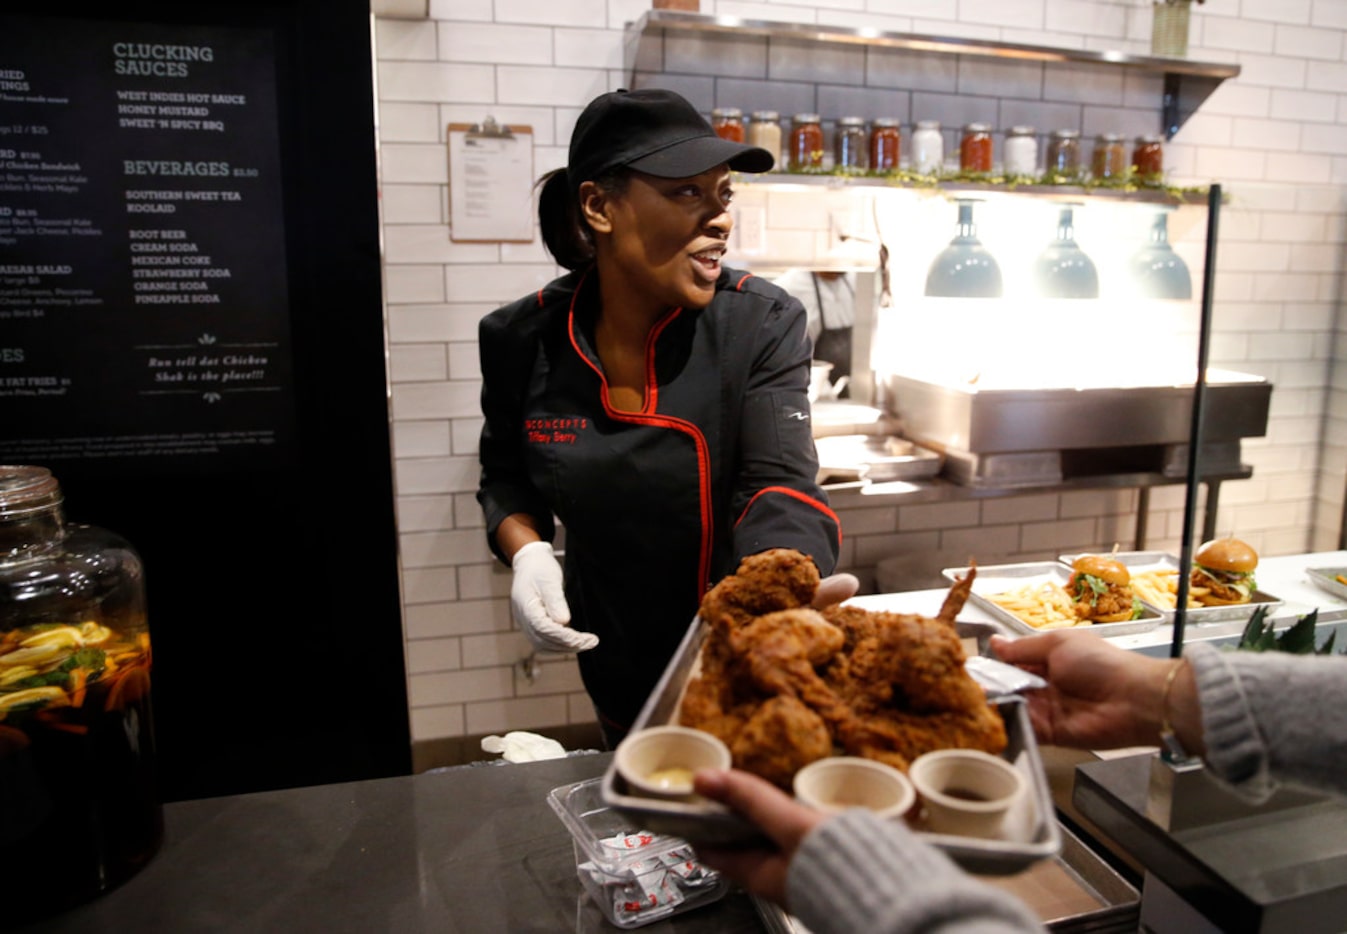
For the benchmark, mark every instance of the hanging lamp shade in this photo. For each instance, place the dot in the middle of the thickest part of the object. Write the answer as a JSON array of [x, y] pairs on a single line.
[[964, 269]]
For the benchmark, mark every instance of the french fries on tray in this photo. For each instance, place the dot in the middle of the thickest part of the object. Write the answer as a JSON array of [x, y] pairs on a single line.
[[1160, 588], [1043, 605]]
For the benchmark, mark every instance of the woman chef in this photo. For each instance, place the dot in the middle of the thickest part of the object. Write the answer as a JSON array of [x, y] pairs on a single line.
[[652, 400]]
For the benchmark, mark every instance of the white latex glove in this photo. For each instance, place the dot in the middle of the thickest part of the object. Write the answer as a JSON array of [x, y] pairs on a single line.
[[838, 588], [539, 602]]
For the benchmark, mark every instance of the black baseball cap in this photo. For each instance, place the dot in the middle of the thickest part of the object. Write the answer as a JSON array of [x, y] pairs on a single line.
[[655, 131]]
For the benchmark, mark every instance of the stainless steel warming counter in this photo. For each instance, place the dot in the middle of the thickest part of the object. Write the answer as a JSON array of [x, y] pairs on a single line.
[[1032, 436]]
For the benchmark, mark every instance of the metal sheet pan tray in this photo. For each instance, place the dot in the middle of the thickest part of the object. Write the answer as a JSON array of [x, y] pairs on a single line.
[[877, 458], [1136, 561], [999, 578], [1032, 830], [1326, 579]]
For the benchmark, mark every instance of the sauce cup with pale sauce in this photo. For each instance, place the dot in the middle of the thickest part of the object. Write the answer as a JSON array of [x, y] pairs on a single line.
[[659, 761]]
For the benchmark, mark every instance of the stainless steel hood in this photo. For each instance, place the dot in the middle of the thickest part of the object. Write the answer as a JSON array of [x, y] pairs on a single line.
[[1039, 436]]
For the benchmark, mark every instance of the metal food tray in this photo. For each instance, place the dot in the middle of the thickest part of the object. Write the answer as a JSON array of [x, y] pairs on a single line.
[[997, 578], [1326, 579], [1034, 830], [1075, 891], [1157, 560], [876, 458]]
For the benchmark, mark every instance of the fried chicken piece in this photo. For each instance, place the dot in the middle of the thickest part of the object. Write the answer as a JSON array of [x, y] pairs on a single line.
[[957, 596], [777, 579], [783, 684], [897, 737], [780, 738], [778, 653], [904, 678]]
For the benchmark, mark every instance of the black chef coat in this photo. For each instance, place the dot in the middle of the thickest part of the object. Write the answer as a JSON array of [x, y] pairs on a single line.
[[659, 504]]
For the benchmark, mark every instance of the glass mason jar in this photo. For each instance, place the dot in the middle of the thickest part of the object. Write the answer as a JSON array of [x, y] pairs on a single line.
[[764, 129], [928, 148], [851, 143], [728, 122], [975, 148], [1108, 160], [1148, 157], [1063, 159], [1021, 151], [806, 142], [886, 144], [81, 811]]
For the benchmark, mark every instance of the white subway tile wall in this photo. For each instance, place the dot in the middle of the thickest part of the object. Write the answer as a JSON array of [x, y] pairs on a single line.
[[1275, 138]]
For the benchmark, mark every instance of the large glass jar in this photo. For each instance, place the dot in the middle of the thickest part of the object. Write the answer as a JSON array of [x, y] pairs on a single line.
[[79, 805], [806, 142]]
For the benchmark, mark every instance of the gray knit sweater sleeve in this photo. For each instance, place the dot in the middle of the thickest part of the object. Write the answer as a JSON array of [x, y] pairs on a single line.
[[1270, 717], [857, 872]]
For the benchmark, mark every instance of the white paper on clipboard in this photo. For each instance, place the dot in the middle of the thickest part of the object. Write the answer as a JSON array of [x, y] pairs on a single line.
[[490, 182]]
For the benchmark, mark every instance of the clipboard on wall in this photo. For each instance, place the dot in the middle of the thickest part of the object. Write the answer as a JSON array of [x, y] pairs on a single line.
[[490, 182]]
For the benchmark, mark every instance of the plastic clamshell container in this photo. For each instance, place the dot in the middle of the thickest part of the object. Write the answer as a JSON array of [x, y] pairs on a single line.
[[1136, 561], [1031, 834], [998, 578], [630, 886]]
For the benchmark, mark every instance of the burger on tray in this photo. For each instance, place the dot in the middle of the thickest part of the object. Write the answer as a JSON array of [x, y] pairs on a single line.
[[1224, 568], [1101, 589]]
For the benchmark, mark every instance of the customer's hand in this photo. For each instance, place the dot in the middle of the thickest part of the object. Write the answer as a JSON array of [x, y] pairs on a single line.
[[538, 601], [835, 589], [1098, 696], [784, 821]]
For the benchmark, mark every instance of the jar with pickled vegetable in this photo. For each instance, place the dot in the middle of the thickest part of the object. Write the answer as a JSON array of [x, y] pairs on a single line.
[[1148, 158], [886, 143], [1109, 160], [81, 811], [928, 148], [806, 142], [852, 143], [728, 122], [764, 129], [975, 148], [1063, 159], [1021, 151]]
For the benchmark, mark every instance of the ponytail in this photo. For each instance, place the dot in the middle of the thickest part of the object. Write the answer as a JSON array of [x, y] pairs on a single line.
[[565, 233]]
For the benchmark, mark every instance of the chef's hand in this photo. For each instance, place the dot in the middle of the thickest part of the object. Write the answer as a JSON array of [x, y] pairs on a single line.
[[835, 589], [783, 820], [538, 601]]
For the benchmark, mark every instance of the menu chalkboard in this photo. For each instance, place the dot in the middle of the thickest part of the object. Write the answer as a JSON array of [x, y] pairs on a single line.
[[143, 297]]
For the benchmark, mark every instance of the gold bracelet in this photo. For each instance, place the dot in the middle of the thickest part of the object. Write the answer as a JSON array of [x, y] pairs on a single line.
[[1168, 738]]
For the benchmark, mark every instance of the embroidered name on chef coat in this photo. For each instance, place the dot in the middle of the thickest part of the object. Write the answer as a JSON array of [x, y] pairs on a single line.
[[554, 430]]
